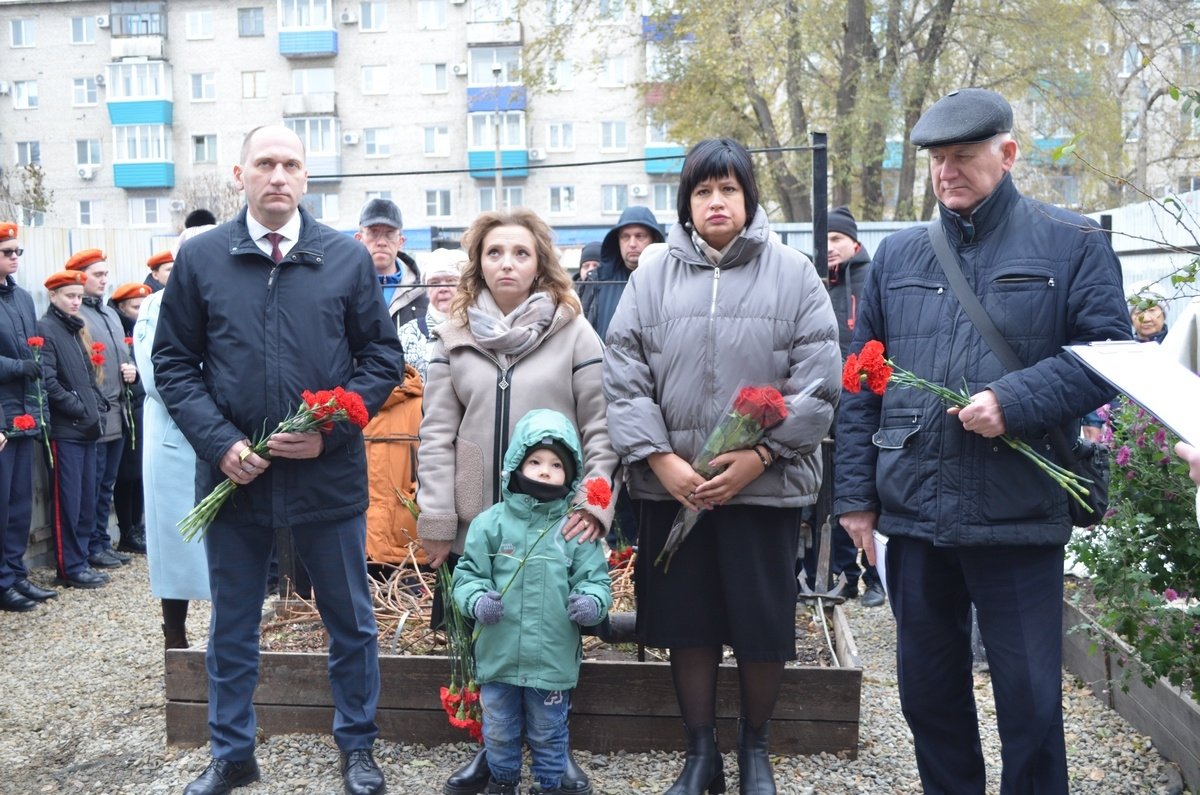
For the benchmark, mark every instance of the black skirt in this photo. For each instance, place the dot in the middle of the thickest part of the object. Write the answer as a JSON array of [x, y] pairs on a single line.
[[732, 582]]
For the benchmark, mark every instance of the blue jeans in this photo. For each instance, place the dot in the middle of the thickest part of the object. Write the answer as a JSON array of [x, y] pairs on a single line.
[[509, 710]]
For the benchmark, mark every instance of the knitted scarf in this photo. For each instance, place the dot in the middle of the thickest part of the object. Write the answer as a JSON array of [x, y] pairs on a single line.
[[513, 334]]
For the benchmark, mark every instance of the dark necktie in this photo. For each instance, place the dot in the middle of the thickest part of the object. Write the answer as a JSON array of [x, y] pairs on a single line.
[[274, 238]]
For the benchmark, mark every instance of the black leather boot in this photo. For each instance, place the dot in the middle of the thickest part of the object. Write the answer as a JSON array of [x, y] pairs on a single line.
[[754, 763], [174, 637], [703, 769], [471, 778], [574, 781]]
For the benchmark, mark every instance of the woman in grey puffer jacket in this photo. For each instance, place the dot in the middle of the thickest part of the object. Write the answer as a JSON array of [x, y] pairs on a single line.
[[727, 304]]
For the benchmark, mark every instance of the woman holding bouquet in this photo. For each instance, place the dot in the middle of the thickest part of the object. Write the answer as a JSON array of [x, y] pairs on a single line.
[[726, 304], [515, 340]]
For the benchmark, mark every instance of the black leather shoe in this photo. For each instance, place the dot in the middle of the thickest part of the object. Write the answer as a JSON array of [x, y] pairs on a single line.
[[134, 541], [574, 781], [873, 596], [34, 592], [88, 578], [104, 559], [222, 776], [471, 778], [360, 774], [14, 601], [121, 557]]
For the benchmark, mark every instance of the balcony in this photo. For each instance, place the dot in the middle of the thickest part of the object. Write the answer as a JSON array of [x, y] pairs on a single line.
[[324, 168], [144, 175], [671, 166], [502, 98], [482, 163], [308, 43], [151, 47], [316, 104], [145, 111], [491, 33]]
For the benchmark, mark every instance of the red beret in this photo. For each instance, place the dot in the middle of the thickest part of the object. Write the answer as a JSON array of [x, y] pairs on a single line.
[[131, 290], [161, 258], [81, 259], [65, 279], [8, 230]]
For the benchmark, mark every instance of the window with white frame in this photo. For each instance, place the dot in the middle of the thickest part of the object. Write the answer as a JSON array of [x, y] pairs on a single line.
[[558, 12], [377, 141], [491, 10], [560, 75], [148, 212], [29, 153], [199, 25], [313, 81], [1131, 60], [560, 136], [437, 140], [1133, 124], [204, 87], [319, 135], [88, 212], [657, 132], [611, 11], [22, 32], [83, 30], [204, 148], [613, 136], [254, 85], [25, 94], [83, 91], [433, 78], [322, 206], [656, 62], [482, 59], [562, 199], [514, 196], [375, 79], [663, 200], [31, 217], [437, 203], [305, 13], [612, 71], [372, 16], [87, 152], [431, 14], [141, 142], [250, 22], [139, 80], [482, 130], [614, 199], [379, 194]]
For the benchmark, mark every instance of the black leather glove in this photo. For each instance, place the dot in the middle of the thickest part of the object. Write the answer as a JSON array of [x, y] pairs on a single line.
[[489, 609], [30, 368]]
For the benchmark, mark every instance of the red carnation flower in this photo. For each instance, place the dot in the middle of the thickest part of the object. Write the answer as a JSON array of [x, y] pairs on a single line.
[[129, 340], [851, 375], [598, 492], [97, 347], [36, 342], [24, 422], [98, 359], [352, 404]]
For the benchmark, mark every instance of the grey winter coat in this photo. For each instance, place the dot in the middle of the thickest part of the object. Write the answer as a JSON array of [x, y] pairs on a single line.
[[687, 335]]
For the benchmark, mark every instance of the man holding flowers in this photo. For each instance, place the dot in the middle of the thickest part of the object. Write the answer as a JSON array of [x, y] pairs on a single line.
[[262, 309], [969, 518]]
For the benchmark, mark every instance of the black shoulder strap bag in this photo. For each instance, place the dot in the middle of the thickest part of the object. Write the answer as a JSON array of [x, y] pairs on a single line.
[[1085, 458]]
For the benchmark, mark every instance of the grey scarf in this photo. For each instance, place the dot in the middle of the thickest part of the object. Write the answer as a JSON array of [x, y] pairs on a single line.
[[513, 334]]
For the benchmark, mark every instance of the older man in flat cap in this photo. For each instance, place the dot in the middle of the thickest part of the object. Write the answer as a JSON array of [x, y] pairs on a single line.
[[968, 519]]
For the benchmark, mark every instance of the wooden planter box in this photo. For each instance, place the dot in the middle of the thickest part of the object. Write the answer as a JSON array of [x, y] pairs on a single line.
[[617, 706], [1163, 712]]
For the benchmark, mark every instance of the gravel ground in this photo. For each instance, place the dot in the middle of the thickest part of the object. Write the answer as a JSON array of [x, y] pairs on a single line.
[[82, 712]]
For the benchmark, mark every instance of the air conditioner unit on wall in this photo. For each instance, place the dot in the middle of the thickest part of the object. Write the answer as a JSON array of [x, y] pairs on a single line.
[[350, 138], [459, 69], [102, 21], [458, 2], [100, 79], [348, 17], [86, 172], [1100, 48], [177, 205], [639, 190], [537, 154]]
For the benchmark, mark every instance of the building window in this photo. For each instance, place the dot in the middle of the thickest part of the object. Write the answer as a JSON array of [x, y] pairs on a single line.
[[137, 81], [147, 212], [562, 199], [433, 78], [313, 81], [29, 153], [254, 85], [137, 142], [83, 30], [1188, 184], [319, 135], [657, 132], [372, 16], [22, 32], [560, 136], [204, 87], [83, 91], [88, 214], [657, 65], [25, 96], [31, 217], [250, 22], [513, 197], [560, 75], [375, 79], [612, 136], [377, 141], [431, 14], [87, 152], [204, 148], [130, 19], [305, 13], [483, 127], [612, 71], [558, 12], [491, 10], [482, 59], [199, 25], [379, 194], [611, 11], [1131, 60], [614, 198], [437, 203], [437, 140], [1133, 124], [322, 206], [664, 196]]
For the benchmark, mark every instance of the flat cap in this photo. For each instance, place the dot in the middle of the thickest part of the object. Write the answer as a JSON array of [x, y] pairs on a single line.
[[131, 290], [8, 230], [80, 260], [161, 258], [380, 212], [65, 279], [966, 116]]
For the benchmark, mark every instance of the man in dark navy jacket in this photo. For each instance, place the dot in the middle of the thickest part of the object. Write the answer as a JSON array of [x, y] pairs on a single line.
[[260, 309], [969, 519]]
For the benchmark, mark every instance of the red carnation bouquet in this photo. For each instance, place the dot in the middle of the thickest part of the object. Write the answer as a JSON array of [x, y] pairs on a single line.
[[751, 413], [870, 367], [318, 411], [39, 395]]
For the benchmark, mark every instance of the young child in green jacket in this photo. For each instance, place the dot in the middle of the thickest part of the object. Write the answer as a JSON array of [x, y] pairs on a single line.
[[531, 590]]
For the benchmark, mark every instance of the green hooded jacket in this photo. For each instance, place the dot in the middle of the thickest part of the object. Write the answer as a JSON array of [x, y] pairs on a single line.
[[534, 644]]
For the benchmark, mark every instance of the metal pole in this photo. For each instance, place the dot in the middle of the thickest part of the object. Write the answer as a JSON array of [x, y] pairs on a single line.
[[499, 186], [820, 199]]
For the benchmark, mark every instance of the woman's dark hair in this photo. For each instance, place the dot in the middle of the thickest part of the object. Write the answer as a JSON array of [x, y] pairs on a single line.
[[716, 158]]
